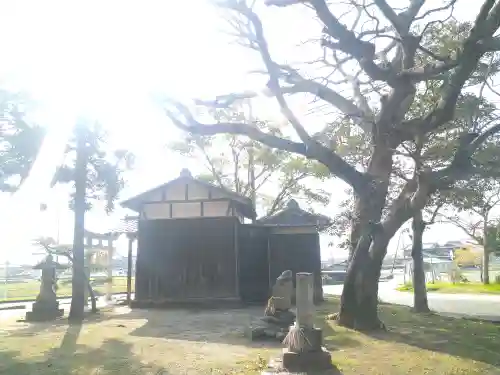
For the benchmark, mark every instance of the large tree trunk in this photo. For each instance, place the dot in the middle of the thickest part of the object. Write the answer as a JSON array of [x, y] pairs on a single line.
[[485, 272], [419, 290], [486, 266], [92, 295], [369, 240], [359, 301], [76, 312]]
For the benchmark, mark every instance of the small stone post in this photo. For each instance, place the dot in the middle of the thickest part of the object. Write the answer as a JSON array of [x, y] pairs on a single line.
[[304, 350], [305, 300]]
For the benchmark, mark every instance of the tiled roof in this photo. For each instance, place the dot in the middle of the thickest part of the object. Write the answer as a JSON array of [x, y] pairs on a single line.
[[293, 215], [127, 225]]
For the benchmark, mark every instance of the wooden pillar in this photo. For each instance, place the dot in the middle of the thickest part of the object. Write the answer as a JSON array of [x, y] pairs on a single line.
[[130, 237], [269, 260], [109, 285], [237, 259]]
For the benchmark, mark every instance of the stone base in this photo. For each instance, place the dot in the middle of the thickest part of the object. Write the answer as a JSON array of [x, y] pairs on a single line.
[[307, 361], [44, 311], [314, 339], [294, 363], [273, 327], [43, 315], [281, 318], [258, 333]]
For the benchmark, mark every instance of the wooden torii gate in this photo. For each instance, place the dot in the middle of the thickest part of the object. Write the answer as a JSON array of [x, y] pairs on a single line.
[[128, 226], [103, 245]]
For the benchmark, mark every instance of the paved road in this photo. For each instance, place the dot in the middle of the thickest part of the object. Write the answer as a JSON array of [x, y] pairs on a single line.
[[473, 305]]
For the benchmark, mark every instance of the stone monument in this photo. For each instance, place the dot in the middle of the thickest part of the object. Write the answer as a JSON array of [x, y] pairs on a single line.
[[277, 316], [46, 306], [304, 351]]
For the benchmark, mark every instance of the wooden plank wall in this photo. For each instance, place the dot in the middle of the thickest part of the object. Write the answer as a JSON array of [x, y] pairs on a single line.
[[298, 252], [187, 259], [253, 263]]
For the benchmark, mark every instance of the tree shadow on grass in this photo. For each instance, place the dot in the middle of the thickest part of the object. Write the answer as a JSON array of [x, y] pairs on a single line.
[[68, 344], [479, 341], [24, 329], [113, 357], [334, 340]]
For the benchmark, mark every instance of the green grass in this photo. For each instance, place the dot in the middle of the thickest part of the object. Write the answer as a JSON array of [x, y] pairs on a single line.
[[442, 287], [25, 291], [177, 342], [414, 344]]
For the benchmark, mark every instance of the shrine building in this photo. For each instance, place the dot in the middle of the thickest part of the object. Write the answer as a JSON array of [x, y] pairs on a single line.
[[194, 244]]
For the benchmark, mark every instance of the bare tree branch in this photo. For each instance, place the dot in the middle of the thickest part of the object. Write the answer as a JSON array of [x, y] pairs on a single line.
[[334, 162], [434, 214], [272, 68], [469, 229], [391, 15], [435, 10]]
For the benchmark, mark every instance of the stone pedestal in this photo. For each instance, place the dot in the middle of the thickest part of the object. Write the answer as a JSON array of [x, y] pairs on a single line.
[[319, 360], [271, 327], [44, 311], [304, 350], [46, 306], [289, 363], [277, 316]]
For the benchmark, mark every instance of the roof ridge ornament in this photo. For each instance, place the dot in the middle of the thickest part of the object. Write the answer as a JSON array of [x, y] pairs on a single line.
[[292, 204], [185, 173]]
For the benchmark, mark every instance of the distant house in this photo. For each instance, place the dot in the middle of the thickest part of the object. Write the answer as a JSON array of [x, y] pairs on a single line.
[[445, 251]]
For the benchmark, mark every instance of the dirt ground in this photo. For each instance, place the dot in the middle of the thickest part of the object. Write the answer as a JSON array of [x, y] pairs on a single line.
[[137, 342], [204, 342]]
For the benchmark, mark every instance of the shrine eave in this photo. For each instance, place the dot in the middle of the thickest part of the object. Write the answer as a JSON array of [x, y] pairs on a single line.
[[293, 216]]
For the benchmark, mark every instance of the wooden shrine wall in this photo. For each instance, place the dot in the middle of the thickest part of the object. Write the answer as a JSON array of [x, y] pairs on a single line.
[[298, 252], [253, 263], [186, 259]]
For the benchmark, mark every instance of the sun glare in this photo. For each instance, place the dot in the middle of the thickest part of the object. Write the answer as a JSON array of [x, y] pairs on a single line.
[[105, 60]]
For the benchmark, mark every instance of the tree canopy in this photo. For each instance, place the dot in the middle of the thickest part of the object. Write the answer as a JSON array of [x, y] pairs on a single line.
[[376, 66], [20, 141], [105, 167]]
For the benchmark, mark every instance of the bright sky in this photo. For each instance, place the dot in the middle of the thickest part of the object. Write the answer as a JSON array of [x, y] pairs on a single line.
[[108, 60]]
